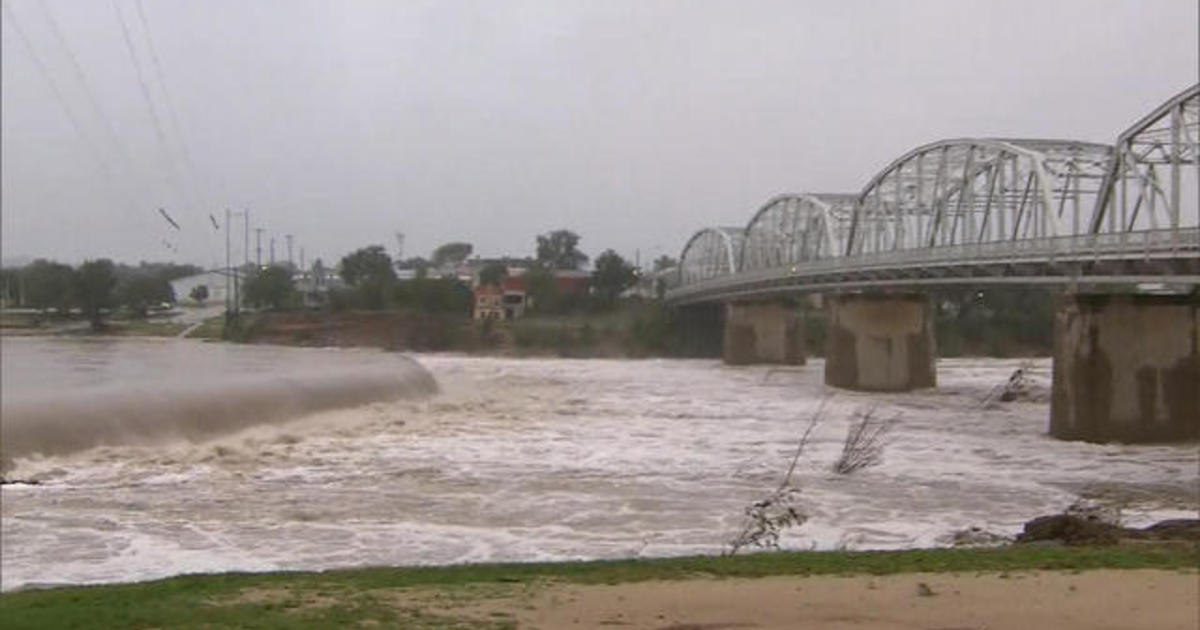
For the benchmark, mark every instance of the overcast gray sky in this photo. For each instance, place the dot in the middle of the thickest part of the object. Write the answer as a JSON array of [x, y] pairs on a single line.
[[632, 123]]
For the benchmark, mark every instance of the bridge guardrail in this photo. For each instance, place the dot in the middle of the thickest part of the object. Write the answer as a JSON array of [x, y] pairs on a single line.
[[1145, 244]]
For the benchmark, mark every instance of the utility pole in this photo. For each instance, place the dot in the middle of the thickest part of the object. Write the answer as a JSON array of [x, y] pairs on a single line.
[[272, 251], [302, 259], [246, 233], [289, 240], [228, 269], [258, 247]]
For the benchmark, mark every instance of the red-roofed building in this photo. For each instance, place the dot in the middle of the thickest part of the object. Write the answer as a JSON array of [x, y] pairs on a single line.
[[506, 301], [511, 298]]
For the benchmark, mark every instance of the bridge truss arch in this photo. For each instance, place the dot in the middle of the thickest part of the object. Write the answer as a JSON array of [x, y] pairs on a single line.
[[979, 210], [710, 253], [979, 190], [793, 229], [1154, 178]]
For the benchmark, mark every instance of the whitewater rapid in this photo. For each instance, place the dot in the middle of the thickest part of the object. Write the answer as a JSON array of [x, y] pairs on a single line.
[[552, 459]]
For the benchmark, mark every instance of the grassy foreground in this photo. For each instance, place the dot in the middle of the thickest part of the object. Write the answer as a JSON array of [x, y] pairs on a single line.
[[366, 597]]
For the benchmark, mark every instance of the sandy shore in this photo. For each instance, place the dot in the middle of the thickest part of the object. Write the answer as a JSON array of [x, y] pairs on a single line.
[[1124, 599]]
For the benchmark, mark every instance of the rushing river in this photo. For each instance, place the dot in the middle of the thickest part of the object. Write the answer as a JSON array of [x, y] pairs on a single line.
[[529, 459]]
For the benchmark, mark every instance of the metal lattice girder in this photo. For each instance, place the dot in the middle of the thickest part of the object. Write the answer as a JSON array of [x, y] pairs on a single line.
[[1154, 179], [978, 211], [710, 253], [978, 190], [796, 228]]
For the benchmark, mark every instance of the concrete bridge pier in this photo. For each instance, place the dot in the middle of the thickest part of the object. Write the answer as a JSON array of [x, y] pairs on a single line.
[[763, 332], [1126, 368], [880, 342], [697, 329]]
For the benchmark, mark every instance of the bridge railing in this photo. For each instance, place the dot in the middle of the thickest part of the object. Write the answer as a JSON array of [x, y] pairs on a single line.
[[1145, 244]]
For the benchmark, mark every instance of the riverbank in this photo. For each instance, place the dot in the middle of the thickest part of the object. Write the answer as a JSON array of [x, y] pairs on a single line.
[[1123, 586], [633, 330], [640, 330], [33, 324]]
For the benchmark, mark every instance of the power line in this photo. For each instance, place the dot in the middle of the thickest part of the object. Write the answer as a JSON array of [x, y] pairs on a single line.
[[167, 100], [90, 94], [190, 179], [105, 168], [157, 123], [83, 81], [166, 216], [97, 146]]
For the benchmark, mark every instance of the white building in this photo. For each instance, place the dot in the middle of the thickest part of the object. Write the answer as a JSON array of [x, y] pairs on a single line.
[[214, 280]]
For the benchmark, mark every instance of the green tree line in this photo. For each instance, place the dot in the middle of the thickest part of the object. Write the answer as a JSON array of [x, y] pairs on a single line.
[[372, 282], [93, 289]]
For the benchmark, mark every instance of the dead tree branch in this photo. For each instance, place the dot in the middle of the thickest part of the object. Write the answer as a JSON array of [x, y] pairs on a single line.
[[865, 439], [766, 519]]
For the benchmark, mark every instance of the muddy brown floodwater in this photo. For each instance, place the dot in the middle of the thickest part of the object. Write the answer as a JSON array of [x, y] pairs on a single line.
[[530, 459]]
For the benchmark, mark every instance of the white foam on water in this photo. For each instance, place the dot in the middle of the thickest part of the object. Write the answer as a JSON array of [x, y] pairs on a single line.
[[524, 460]]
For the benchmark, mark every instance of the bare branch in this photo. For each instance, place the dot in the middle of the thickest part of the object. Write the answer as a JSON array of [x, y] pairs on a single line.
[[864, 442], [766, 519]]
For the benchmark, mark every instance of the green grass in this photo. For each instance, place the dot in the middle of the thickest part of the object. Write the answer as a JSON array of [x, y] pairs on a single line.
[[359, 598]]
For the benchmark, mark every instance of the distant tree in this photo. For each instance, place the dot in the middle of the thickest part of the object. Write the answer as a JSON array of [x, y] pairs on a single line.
[[270, 288], [141, 290], [370, 271], [612, 276], [416, 262], [493, 274], [49, 285], [543, 290], [451, 254], [559, 250], [94, 284], [367, 265], [199, 293], [10, 284], [664, 262]]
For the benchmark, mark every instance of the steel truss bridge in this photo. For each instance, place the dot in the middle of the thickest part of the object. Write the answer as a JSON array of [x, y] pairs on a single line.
[[977, 211]]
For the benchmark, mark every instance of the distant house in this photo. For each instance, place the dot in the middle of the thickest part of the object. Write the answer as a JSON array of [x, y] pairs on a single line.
[[507, 301], [472, 268], [511, 299], [573, 282], [213, 280], [489, 302]]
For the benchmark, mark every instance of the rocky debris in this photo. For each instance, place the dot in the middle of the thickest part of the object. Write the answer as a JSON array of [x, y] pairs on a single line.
[[1090, 510], [977, 537], [1075, 530], [1174, 529], [1071, 530], [1020, 386]]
